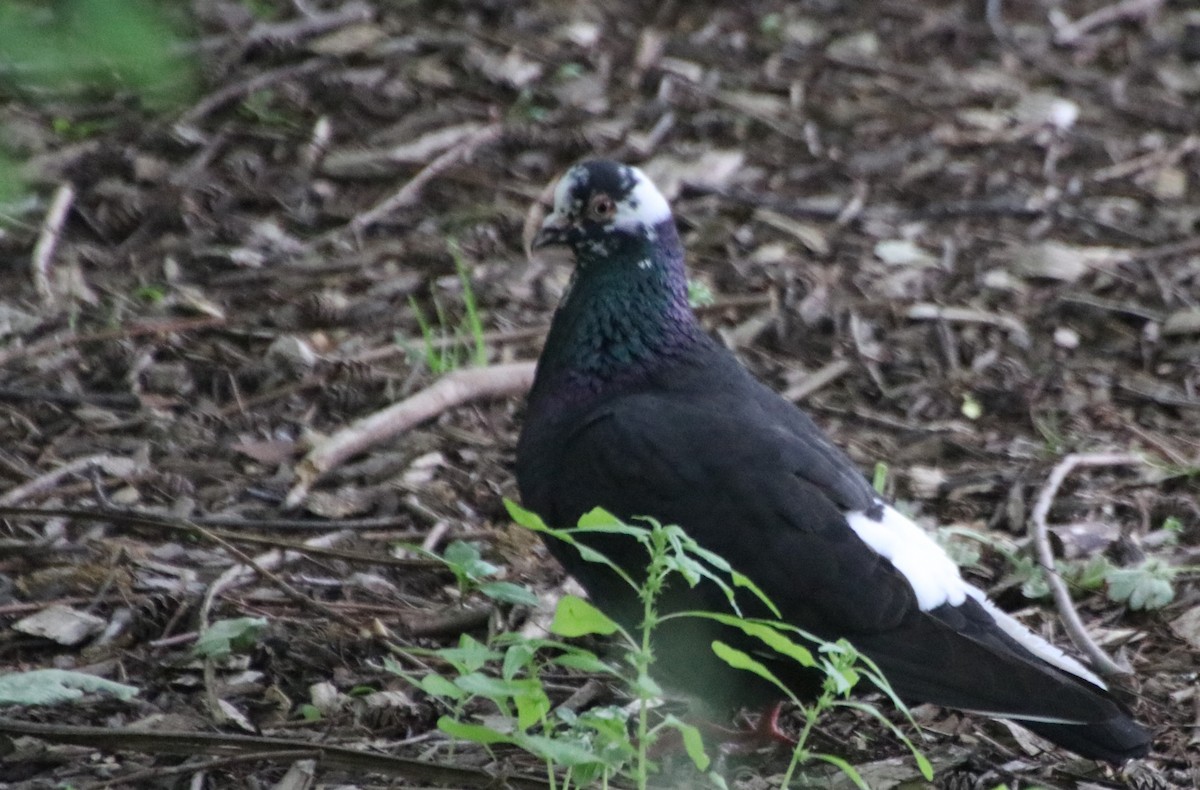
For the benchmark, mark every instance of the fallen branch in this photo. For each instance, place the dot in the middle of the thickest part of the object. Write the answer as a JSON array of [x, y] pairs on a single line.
[[1041, 538], [61, 340], [190, 528], [238, 90], [217, 744], [818, 379], [1071, 34], [49, 480], [408, 194], [264, 565], [453, 389], [43, 252]]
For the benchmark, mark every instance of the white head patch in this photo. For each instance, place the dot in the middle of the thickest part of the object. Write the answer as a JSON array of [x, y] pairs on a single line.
[[644, 206], [639, 205]]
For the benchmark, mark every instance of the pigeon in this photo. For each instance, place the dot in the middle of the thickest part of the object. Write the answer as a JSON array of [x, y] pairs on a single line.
[[637, 410]]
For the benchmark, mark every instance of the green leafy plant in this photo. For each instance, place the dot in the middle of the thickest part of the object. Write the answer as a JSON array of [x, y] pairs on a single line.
[[53, 686], [597, 745], [66, 47], [449, 346], [699, 294], [473, 573], [879, 479], [225, 637], [1147, 585]]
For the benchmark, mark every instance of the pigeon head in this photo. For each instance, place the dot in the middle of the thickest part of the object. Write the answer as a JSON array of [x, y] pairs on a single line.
[[606, 210], [626, 309]]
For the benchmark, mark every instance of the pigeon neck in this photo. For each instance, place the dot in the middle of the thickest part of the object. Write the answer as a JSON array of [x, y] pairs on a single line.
[[626, 309]]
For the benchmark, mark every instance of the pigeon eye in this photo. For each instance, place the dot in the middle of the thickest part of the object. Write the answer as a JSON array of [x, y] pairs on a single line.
[[601, 208]]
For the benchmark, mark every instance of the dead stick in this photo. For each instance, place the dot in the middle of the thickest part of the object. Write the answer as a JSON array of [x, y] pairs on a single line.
[[190, 528], [246, 87], [1071, 34], [191, 743], [72, 338], [411, 191], [43, 252], [1041, 538], [453, 389], [49, 480]]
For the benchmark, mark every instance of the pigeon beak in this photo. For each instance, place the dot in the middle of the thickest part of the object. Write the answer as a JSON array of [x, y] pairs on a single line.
[[553, 231]]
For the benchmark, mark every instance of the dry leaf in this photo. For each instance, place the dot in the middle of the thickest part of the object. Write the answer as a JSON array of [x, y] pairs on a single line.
[[1056, 260], [809, 235], [267, 451], [712, 169], [1187, 626], [1182, 322], [902, 252], [348, 40], [61, 624]]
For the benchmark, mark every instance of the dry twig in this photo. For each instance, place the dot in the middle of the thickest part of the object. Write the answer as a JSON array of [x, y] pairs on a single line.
[[47, 241], [1041, 538], [453, 389], [1071, 34], [237, 90], [217, 744], [50, 479], [411, 191]]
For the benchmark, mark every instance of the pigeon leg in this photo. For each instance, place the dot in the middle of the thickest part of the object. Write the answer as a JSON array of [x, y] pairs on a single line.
[[733, 742], [765, 732]]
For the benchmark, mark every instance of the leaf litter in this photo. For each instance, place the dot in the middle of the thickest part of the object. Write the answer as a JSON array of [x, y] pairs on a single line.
[[230, 283]]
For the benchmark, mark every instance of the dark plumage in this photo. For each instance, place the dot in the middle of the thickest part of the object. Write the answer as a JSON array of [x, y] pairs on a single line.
[[637, 410]]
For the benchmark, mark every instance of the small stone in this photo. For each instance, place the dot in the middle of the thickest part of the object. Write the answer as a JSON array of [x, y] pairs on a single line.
[[1065, 337], [292, 351], [128, 495]]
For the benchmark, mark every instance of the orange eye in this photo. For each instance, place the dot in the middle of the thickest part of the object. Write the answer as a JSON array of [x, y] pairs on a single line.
[[601, 208]]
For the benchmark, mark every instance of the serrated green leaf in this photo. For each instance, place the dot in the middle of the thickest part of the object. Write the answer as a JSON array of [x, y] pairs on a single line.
[[51, 686], [1146, 586], [517, 657], [224, 637], [598, 517], [435, 685], [532, 706], [523, 517], [496, 689], [584, 662], [576, 617], [740, 580], [559, 752], [466, 558], [1092, 574], [766, 632], [693, 742], [849, 770], [742, 660], [475, 733], [469, 656], [507, 592], [646, 687]]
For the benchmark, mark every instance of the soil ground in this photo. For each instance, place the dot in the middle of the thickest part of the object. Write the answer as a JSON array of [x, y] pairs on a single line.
[[964, 236]]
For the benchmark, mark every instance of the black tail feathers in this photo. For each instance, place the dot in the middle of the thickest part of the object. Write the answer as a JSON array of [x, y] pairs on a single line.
[[1115, 740]]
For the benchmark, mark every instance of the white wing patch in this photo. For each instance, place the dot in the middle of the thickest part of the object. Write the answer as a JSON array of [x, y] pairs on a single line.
[[1032, 642], [935, 579], [930, 572]]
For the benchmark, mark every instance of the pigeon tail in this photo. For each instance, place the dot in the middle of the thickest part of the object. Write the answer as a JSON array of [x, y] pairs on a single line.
[[1115, 740]]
